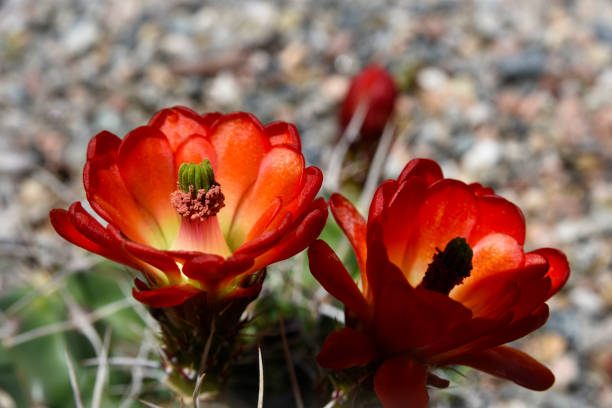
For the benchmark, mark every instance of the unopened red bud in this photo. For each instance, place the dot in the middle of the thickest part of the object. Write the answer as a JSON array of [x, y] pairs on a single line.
[[374, 88]]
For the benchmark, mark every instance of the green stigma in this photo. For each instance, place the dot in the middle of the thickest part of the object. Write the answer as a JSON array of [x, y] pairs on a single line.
[[449, 267], [200, 176]]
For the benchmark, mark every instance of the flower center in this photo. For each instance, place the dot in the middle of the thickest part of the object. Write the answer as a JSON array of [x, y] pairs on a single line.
[[449, 267], [198, 195], [198, 199]]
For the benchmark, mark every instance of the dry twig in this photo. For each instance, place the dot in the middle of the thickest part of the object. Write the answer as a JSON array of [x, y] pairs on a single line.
[[294, 385], [73, 382]]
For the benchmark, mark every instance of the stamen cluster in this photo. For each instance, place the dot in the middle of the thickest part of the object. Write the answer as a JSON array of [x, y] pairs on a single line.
[[200, 205]]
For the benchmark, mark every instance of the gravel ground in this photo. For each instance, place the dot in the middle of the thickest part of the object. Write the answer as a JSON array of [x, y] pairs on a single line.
[[515, 94]]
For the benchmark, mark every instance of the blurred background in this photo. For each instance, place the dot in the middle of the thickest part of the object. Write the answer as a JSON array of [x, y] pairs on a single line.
[[514, 94]]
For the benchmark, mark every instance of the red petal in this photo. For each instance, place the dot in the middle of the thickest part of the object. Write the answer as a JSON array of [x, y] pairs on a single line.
[[511, 364], [403, 321], [283, 133], [102, 144], [480, 190], [346, 348], [109, 197], [496, 214], [379, 271], [452, 312], [427, 169], [448, 211], [167, 296], [207, 268], [266, 240], [178, 123], [533, 285], [279, 176], [353, 225], [459, 335], [312, 180], [60, 219], [331, 274], [211, 118], [399, 220], [299, 238], [195, 149], [558, 271], [147, 168], [161, 260], [503, 334], [240, 144], [401, 382], [381, 199], [236, 264]]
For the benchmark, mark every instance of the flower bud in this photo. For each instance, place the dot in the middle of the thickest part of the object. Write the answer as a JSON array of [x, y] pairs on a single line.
[[375, 88]]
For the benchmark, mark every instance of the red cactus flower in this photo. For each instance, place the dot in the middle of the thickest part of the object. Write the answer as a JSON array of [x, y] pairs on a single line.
[[244, 200], [375, 88], [445, 281]]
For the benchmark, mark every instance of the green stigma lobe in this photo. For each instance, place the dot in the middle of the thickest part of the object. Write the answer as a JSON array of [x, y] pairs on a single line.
[[200, 176], [449, 267]]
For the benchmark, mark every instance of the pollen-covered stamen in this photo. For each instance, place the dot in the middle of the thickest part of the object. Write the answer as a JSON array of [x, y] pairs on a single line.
[[198, 195], [449, 267]]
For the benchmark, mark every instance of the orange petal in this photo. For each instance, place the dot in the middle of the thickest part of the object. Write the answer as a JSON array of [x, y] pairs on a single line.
[[178, 123], [448, 211], [401, 382], [353, 225], [511, 364], [279, 176], [195, 149], [266, 219], [109, 197], [494, 254], [240, 144], [147, 167], [498, 215], [346, 348], [490, 297], [333, 276]]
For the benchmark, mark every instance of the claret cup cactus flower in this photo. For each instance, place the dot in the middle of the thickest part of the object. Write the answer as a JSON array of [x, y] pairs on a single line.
[[199, 204], [444, 281]]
